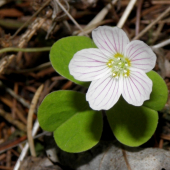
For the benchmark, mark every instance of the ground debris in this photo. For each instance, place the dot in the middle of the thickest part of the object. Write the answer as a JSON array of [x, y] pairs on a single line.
[[138, 159], [31, 163], [40, 23]]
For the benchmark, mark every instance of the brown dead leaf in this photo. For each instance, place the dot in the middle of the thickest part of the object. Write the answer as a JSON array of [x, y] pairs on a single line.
[[11, 12]]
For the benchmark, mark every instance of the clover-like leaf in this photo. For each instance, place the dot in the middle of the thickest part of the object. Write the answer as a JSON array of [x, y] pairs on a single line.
[[132, 125], [159, 92], [76, 127], [62, 52]]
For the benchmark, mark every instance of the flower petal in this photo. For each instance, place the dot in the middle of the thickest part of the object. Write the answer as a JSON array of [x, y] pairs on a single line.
[[89, 64], [111, 39], [140, 55], [137, 87], [104, 93]]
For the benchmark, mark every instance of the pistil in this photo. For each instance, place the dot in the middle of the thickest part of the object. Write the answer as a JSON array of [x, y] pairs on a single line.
[[119, 66]]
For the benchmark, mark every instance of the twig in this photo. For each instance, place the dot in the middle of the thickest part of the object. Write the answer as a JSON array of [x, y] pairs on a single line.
[[14, 101], [8, 159], [25, 149], [58, 78], [138, 16], [162, 44], [29, 119], [23, 40], [18, 112], [19, 98], [160, 2], [161, 142], [2, 2], [40, 67], [5, 168], [166, 137], [92, 27], [11, 120], [13, 49], [158, 31], [26, 23], [152, 24], [30, 32], [22, 141], [126, 13], [126, 160], [146, 11], [68, 14], [103, 156], [101, 15]]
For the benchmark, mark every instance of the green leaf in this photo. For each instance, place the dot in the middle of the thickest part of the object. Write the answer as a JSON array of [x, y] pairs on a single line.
[[76, 127], [132, 125], [79, 133], [159, 93], [62, 52]]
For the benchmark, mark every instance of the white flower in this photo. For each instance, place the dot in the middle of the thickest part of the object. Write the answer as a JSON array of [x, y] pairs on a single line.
[[116, 67]]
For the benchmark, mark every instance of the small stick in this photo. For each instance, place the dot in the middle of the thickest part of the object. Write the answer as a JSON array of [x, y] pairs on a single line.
[[152, 24], [161, 2], [19, 98], [68, 14], [15, 152], [20, 141], [101, 15], [18, 112], [15, 49], [25, 149], [10, 119], [158, 31], [125, 2], [138, 16], [162, 44], [8, 159], [29, 120], [26, 23], [88, 30], [5, 168], [40, 67], [161, 143], [23, 40], [2, 156], [126, 13], [14, 101], [126, 160], [2, 2], [166, 137]]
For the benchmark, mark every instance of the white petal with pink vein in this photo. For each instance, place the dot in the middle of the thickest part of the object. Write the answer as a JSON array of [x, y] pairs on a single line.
[[136, 88], [140, 55], [116, 67]]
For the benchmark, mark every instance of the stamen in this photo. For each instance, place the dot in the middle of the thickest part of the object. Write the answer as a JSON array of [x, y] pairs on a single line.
[[119, 65]]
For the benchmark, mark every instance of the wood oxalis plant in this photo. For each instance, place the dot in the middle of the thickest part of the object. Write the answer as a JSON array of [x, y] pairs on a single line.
[[122, 84]]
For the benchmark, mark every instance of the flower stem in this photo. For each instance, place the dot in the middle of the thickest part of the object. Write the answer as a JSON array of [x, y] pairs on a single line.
[[13, 49]]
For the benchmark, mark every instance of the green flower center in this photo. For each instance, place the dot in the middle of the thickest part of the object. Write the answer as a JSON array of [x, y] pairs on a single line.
[[119, 65]]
